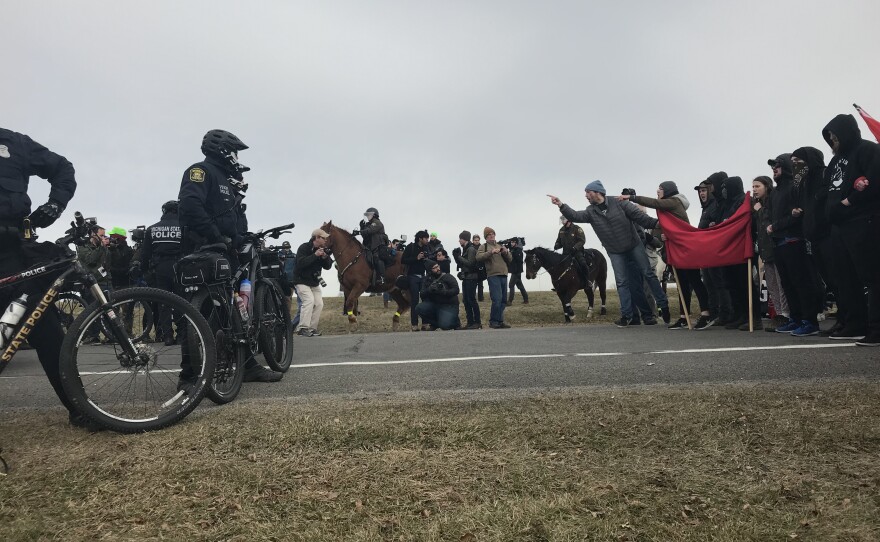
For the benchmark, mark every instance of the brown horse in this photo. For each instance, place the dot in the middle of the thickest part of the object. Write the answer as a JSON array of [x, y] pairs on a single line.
[[355, 274], [566, 280]]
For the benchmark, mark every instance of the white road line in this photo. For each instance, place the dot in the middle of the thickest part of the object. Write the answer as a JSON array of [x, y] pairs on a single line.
[[749, 348], [435, 360]]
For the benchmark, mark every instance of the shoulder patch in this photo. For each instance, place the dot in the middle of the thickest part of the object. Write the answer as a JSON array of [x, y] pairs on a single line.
[[197, 175]]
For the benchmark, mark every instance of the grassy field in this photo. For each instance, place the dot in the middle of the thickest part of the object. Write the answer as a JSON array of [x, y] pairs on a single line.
[[734, 463], [543, 309]]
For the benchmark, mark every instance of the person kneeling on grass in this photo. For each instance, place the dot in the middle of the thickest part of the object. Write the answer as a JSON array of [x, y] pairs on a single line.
[[439, 306]]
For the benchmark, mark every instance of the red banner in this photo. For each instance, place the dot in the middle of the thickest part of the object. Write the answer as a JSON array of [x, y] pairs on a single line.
[[728, 243], [873, 124]]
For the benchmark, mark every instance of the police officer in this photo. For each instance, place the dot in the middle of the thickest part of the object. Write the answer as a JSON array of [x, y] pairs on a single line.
[[160, 251], [373, 232], [210, 212], [571, 240], [21, 157]]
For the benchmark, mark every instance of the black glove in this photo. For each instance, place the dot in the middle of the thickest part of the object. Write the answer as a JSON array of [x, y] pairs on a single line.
[[357, 232], [363, 224], [46, 214]]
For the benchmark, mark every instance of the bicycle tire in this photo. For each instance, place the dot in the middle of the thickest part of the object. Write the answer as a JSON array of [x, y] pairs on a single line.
[[69, 306], [134, 395], [231, 357], [275, 335]]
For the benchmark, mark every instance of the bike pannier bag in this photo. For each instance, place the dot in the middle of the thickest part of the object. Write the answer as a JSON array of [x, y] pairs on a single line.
[[203, 268]]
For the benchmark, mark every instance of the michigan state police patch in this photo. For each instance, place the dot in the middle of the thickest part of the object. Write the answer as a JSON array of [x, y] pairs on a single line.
[[197, 175]]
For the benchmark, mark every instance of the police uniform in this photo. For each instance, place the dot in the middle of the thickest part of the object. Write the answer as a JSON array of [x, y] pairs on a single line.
[[21, 157], [160, 251], [208, 211], [375, 240], [572, 240]]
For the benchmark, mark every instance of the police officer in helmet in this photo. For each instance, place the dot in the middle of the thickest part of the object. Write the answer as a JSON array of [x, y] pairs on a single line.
[[210, 211], [159, 253], [373, 233], [20, 158]]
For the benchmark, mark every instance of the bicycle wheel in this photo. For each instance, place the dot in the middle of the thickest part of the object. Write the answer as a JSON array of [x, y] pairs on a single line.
[[275, 332], [69, 305], [139, 392], [231, 356]]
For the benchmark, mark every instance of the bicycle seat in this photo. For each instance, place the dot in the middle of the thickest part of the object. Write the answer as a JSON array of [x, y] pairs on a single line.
[[216, 247]]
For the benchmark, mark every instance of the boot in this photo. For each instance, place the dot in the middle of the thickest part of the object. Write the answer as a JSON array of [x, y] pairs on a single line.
[[510, 299]]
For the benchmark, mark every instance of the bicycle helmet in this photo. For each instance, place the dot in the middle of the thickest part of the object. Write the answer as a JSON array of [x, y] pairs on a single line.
[[225, 146], [169, 207]]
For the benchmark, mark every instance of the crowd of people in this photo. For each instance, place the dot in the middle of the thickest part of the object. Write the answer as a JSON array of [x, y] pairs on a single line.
[[816, 228]]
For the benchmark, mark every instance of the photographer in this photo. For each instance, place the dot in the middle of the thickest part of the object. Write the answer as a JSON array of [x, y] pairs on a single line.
[[120, 258], [95, 255], [414, 256], [496, 257], [311, 258], [466, 259], [515, 244], [439, 306]]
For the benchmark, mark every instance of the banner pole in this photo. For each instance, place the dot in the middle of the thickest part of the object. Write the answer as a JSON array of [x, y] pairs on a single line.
[[751, 300], [684, 306]]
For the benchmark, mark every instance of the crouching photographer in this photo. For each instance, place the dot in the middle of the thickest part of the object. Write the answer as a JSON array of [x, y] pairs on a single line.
[[439, 306], [311, 258]]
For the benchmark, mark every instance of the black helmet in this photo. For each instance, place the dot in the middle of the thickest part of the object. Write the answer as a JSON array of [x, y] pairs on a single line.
[[372, 210], [225, 146], [169, 207]]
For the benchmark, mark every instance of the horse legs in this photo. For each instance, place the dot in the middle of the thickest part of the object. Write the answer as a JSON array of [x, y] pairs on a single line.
[[567, 310], [402, 307], [590, 298], [602, 311], [351, 305]]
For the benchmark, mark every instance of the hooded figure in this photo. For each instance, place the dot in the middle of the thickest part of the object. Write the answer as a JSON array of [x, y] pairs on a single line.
[[786, 197], [711, 207], [809, 178], [854, 157], [732, 196]]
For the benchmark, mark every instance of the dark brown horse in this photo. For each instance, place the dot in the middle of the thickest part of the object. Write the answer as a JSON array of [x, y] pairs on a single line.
[[355, 274], [566, 280]]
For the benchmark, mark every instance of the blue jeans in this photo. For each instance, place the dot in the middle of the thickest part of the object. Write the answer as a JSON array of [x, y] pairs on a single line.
[[437, 315], [641, 271], [415, 286], [469, 298], [497, 293]]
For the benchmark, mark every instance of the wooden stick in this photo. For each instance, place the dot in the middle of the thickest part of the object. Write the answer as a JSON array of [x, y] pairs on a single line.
[[684, 306], [751, 300]]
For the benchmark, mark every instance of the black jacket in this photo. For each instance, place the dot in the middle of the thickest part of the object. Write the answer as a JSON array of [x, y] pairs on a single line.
[[813, 190], [410, 257], [162, 241], [467, 262], [441, 289], [516, 263], [308, 266], [208, 208], [855, 158], [786, 197], [21, 157]]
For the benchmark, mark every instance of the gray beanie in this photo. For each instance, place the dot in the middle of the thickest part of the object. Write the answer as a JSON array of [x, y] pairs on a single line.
[[596, 186]]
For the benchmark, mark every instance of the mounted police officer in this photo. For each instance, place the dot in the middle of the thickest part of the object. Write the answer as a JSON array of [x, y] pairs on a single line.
[[211, 211], [160, 251], [571, 240], [21, 157], [373, 233]]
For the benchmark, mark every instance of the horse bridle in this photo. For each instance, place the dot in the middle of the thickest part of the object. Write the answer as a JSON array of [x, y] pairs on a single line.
[[351, 263]]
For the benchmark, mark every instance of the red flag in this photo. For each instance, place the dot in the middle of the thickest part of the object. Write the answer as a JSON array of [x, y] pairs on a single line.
[[728, 243], [873, 124]]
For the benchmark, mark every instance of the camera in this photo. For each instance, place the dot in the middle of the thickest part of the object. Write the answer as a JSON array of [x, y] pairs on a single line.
[[138, 234], [320, 280], [631, 192], [328, 252], [508, 243]]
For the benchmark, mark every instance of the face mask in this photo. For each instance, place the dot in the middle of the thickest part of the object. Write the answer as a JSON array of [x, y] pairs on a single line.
[[800, 172]]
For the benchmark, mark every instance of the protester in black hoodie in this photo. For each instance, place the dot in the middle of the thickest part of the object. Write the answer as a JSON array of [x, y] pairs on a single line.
[[809, 177], [853, 208], [736, 276], [720, 308], [793, 262]]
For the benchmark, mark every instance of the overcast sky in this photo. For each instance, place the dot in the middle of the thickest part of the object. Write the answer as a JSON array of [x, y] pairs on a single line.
[[443, 115]]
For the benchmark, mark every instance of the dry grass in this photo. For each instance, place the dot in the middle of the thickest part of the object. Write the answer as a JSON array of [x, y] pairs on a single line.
[[703, 463], [543, 309]]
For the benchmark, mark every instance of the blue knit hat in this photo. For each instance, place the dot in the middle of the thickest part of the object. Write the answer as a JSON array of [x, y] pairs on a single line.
[[596, 186]]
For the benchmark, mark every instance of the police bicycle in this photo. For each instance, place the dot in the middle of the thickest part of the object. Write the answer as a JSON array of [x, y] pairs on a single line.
[[123, 384], [244, 323]]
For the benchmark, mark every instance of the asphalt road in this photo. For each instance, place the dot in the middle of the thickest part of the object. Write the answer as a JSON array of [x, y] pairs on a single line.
[[520, 359]]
